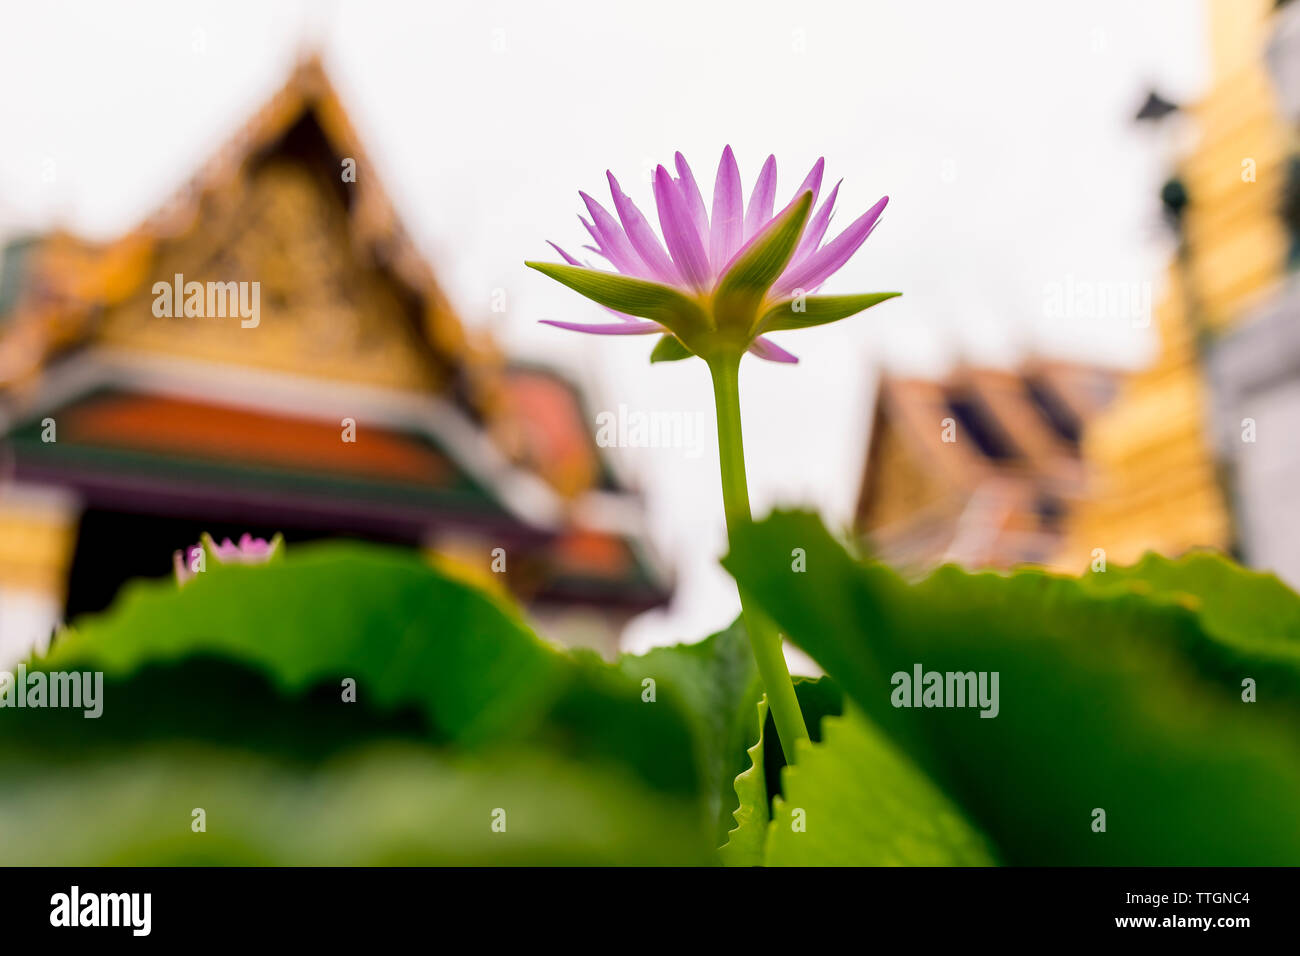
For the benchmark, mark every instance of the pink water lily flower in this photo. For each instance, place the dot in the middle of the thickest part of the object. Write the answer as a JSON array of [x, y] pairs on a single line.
[[249, 550], [720, 280], [189, 562]]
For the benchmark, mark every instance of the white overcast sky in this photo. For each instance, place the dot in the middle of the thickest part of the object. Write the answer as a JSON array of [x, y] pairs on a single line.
[[1001, 131]]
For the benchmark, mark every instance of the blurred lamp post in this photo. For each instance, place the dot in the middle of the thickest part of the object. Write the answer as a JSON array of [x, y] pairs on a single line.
[[1169, 134]]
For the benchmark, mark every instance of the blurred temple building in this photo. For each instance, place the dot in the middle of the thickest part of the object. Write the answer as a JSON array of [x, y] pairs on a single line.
[[1197, 450], [1200, 448], [981, 468], [341, 396]]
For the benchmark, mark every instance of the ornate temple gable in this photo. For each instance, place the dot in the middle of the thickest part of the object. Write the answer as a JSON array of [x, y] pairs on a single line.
[[286, 220], [324, 310], [174, 418], [344, 293]]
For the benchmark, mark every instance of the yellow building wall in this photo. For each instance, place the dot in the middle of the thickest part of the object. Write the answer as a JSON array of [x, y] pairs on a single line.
[[37, 537], [1154, 482]]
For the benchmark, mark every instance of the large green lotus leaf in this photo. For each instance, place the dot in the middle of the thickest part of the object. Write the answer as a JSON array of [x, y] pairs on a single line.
[[601, 714], [1107, 702], [759, 782], [716, 683], [1253, 615], [205, 698], [1251, 608], [405, 634], [431, 658], [854, 800], [381, 805]]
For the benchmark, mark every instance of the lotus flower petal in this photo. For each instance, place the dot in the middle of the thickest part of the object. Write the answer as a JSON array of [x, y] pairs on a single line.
[[767, 349], [641, 236], [694, 201], [759, 263], [679, 232], [634, 327], [761, 199], [565, 256], [816, 229], [612, 239], [249, 550], [812, 183], [726, 231], [825, 261], [183, 564], [595, 237], [721, 277]]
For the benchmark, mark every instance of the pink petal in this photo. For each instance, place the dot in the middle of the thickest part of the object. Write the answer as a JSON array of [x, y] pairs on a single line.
[[823, 263], [595, 236], [767, 349], [642, 237], [694, 201], [610, 237], [760, 236], [812, 182], [622, 316], [726, 232], [597, 249], [759, 211], [634, 327], [679, 231], [255, 545], [181, 566], [816, 229], [566, 257]]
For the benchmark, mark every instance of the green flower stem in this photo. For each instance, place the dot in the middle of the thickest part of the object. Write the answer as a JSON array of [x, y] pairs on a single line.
[[763, 638]]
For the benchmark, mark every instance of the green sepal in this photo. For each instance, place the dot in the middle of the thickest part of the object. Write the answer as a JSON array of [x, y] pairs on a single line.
[[807, 311], [650, 300], [670, 349], [741, 289]]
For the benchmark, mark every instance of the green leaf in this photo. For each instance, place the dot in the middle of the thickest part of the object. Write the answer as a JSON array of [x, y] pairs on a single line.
[[650, 300], [670, 349], [1114, 701], [747, 842], [1245, 607], [716, 683], [1253, 617], [743, 286], [811, 310], [406, 634], [754, 787], [191, 700], [412, 640], [384, 805], [228, 694], [854, 800]]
